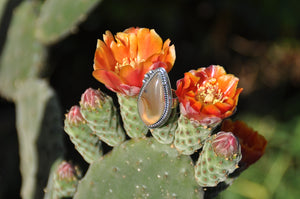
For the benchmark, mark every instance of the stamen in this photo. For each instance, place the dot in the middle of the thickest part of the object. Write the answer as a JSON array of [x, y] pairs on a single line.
[[127, 61], [209, 92]]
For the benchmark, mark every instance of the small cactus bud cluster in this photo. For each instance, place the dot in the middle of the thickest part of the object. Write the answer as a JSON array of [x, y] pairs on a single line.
[[86, 143], [219, 157], [189, 136], [65, 180], [101, 116]]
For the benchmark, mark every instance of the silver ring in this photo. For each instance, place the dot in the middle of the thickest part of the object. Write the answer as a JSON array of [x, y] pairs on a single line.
[[155, 100]]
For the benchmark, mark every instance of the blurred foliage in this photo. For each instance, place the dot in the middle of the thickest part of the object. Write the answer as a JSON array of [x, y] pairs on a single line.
[[256, 40]]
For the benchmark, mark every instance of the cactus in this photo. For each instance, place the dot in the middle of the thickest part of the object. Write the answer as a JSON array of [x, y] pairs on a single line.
[[2, 6], [133, 124], [63, 180], [87, 144], [18, 64], [60, 18], [219, 157], [165, 134], [40, 134], [189, 136], [98, 110], [131, 171]]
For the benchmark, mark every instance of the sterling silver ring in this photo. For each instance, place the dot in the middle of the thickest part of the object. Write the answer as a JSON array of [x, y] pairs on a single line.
[[155, 100]]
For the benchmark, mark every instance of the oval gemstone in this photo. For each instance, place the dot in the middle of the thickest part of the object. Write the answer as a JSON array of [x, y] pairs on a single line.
[[152, 103]]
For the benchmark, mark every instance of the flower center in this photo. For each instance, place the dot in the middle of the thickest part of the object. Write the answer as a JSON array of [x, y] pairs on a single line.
[[127, 61], [209, 92]]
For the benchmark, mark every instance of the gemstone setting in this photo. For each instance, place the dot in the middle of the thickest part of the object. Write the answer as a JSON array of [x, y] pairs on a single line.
[[155, 98]]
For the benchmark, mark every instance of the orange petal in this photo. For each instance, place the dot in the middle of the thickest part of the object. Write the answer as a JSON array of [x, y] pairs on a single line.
[[108, 38], [131, 76], [215, 71], [132, 30], [228, 84], [149, 43], [120, 51], [223, 107], [211, 109], [110, 79], [104, 59]]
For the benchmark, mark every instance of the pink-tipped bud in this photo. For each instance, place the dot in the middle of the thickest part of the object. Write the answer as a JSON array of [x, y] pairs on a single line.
[[92, 98], [66, 171], [226, 144], [74, 115]]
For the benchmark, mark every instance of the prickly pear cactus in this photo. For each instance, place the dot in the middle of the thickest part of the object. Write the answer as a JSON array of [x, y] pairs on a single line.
[[59, 18], [133, 124], [165, 134], [17, 64], [189, 136], [40, 134], [86, 143], [2, 6], [131, 171], [63, 180], [220, 157], [101, 116]]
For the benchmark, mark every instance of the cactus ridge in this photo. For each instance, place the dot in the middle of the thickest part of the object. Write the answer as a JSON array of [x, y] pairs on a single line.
[[211, 169], [165, 134], [189, 136], [104, 121], [86, 143], [133, 124]]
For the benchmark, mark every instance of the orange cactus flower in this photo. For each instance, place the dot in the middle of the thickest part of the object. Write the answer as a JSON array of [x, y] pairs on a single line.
[[208, 95], [252, 144], [122, 61]]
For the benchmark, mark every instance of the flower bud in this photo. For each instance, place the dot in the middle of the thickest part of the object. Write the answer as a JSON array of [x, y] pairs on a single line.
[[92, 98], [226, 144]]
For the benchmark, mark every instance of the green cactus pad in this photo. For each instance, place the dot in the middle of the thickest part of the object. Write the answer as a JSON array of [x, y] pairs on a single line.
[[189, 136], [140, 168], [2, 7], [104, 121], [211, 169], [133, 124], [38, 122], [22, 56], [58, 18], [86, 143], [165, 134]]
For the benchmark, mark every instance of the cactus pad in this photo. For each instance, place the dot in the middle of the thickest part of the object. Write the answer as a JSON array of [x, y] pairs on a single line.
[[22, 55], [133, 124], [165, 134], [211, 167], [100, 113], [39, 130], [131, 171], [59, 18], [189, 136], [86, 143]]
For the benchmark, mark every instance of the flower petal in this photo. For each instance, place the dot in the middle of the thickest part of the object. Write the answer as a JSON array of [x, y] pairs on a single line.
[[149, 43], [104, 59], [111, 80]]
